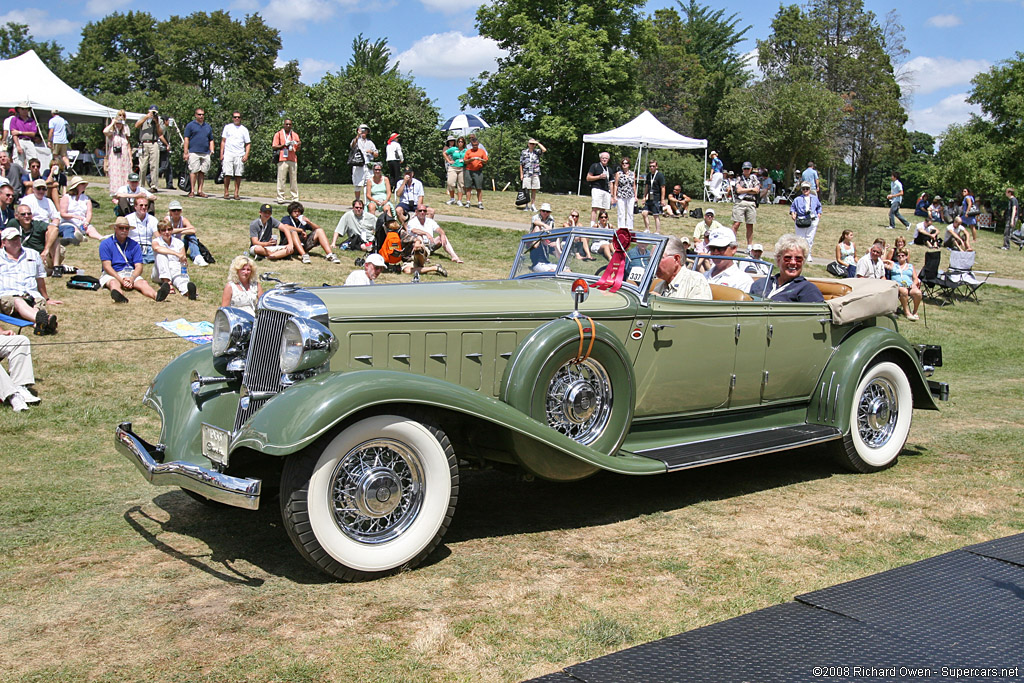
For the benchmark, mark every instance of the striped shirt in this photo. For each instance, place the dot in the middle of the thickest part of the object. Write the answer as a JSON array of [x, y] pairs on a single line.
[[19, 276]]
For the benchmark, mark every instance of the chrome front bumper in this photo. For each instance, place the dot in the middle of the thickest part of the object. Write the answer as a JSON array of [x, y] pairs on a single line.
[[243, 493]]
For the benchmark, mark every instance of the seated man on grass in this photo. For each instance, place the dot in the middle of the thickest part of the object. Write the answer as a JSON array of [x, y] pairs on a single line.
[[355, 228], [23, 283], [15, 381], [303, 234], [41, 237], [121, 261], [263, 237]]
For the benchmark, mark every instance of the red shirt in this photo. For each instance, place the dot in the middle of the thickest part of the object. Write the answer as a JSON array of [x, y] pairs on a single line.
[[475, 158]]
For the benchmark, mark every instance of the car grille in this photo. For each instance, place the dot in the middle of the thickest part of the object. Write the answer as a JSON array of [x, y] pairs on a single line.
[[263, 365]]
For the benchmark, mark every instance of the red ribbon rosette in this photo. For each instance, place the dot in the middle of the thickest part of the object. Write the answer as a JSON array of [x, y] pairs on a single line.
[[611, 280]]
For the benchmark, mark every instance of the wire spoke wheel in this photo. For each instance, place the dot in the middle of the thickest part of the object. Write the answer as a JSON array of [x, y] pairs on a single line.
[[877, 412], [579, 400], [879, 419]]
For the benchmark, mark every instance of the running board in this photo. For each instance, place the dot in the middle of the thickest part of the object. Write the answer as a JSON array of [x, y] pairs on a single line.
[[710, 451]]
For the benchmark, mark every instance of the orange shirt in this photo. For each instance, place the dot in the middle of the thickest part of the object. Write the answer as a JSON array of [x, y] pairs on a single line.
[[475, 158], [280, 139]]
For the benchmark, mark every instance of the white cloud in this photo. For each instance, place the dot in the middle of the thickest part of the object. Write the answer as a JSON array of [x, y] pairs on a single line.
[[750, 64], [39, 23], [451, 6], [313, 69], [933, 120], [935, 73], [295, 15], [101, 8], [450, 55], [944, 21]]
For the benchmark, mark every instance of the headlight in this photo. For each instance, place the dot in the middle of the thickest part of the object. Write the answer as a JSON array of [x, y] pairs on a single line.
[[231, 330], [305, 344]]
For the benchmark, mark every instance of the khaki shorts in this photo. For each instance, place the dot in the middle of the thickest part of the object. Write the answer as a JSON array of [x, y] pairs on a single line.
[[744, 212], [60, 149], [106, 277], [7, 304], [198, 163], [455, 179], [233, 167], [599, 199], [531, 182]]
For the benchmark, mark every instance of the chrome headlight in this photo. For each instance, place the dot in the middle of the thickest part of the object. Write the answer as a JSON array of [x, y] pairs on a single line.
[[306, 344], [231, 330]]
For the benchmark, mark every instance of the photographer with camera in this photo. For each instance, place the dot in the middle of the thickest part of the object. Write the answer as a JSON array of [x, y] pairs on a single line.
[[151, 133], [119, 152], [286, 147]]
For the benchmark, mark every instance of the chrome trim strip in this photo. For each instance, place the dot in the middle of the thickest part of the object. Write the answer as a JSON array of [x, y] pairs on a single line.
[[243, 493]]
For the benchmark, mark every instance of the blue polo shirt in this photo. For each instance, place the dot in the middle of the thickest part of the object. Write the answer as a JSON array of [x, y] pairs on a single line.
[[797, 290], [111, 251], [199, 136]]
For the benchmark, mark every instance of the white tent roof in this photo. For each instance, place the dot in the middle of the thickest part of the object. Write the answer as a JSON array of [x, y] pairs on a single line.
[[26, 78], [646, 131]]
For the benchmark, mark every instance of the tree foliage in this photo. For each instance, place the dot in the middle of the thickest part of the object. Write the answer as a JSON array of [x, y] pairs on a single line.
[[370, 57], [970, 156], [16, 39], [671, 76], [570, 69], [842, 46], [786, 122], [1000, 94]]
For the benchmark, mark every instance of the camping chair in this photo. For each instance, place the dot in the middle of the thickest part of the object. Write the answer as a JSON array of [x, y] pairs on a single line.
[[20, 323], [933, 284], [962, 274], [72, 158]]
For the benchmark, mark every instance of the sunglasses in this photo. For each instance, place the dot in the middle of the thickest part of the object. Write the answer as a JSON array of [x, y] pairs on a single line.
[[793, 259]]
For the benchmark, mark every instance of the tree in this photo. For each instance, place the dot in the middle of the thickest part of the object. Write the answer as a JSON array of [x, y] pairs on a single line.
[[16, 39], [672, 78], [370, 58], [569, 69], [970, 156], [842, 46], [117, 54], [784, 122], [1000, 94]]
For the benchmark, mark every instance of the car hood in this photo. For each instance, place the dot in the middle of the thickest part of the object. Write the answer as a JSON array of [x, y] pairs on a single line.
[[509, 299]]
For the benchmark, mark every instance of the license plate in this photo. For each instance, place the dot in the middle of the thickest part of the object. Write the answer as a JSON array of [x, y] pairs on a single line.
[[215, 443]]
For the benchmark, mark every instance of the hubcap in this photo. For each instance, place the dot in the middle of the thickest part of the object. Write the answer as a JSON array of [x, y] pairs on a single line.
[[877, 413], [377, 491], [579, 400]]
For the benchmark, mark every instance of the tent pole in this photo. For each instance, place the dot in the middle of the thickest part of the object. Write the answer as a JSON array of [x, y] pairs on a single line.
[[579, 182], [706, 193]]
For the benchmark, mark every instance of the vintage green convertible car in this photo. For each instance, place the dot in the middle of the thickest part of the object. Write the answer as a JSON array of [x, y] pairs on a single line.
[[365, 403]]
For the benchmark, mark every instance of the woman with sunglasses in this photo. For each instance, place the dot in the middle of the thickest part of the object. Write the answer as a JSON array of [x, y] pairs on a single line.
[[583, 247], [624, 193], [905, 276], [806, 212], [119, 152], [789, 284]]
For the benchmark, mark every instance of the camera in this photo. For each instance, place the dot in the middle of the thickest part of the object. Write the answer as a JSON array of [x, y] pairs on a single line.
[[116, 149]]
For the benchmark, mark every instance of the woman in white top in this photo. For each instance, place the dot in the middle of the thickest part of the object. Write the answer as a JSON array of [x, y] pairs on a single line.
[[169, 264], [76, 213], [242, 290], [846, 253]]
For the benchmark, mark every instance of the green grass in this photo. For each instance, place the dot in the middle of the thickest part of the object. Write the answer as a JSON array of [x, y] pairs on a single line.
[[105, 578]]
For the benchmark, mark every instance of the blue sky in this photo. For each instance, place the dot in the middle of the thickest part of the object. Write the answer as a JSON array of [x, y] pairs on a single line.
[[437, 42]]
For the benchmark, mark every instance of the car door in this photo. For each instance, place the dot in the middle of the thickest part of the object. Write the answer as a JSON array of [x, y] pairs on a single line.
[[686, 357], [799, 344]]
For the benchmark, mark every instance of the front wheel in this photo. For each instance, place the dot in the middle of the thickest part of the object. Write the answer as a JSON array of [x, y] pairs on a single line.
[[879, 419], [376, 500]]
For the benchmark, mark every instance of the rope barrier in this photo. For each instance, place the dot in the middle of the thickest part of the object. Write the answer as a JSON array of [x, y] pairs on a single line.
[[36, 344]]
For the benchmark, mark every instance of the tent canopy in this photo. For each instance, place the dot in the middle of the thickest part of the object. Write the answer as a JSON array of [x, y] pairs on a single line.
[[645, 131], [26, 78]]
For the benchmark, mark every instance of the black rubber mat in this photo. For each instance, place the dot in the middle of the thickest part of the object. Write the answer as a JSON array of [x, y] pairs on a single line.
[[1009, 549], [938, 619]]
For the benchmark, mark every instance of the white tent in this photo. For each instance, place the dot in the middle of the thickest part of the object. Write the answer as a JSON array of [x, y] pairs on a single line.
[[643, 132], [26, 78]]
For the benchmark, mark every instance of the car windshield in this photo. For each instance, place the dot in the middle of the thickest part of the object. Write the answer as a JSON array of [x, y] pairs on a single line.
[[586, 252]]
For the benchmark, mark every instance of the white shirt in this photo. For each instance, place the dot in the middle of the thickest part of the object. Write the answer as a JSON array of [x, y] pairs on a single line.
[[235, 139], [730, 277], [358, 277], [427, 225], [875, 271], [42, 209], [395, 151], [368, 149], [142, 229], [60, 130], [411, 192], [140, 190]]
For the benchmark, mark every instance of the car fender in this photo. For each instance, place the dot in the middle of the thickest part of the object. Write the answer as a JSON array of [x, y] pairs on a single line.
[[279, 429], [833, 396]]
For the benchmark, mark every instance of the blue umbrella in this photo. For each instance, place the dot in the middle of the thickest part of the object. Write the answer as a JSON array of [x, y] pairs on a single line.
[[464, 122]]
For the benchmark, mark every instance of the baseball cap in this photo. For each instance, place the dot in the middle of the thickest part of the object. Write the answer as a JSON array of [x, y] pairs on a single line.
[[711, 211], [531, 141], [38, 182], [175, 205], [10, 233], [684, 239], [757, 247], [133, 177], [805, 184], [722, 237], [747, 164], [376, 259], [266, 208], [363, 125], [545, 207]]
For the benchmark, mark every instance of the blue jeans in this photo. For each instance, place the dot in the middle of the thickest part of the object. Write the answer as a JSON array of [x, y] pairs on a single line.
[[894, 213], [192, 244]]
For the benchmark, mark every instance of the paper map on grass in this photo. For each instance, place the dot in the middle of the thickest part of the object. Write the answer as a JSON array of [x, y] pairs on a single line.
[[198, 333]]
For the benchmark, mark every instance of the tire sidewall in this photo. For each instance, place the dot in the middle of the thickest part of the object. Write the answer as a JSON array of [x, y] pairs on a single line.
[[882, 457], [437, 491]]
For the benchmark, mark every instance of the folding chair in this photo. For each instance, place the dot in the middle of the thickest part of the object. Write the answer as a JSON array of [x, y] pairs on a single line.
[[72, 157], [20, 323], [961, 272], [935, 285]]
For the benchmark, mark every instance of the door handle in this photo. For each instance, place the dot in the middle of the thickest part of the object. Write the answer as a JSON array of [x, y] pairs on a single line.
[[657, 327]]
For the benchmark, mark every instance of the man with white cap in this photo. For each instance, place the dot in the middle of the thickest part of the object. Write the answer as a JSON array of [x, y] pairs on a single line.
[[707, 225], [23, 283], [127, 194], [39, 227], [757, 269], [745, 194], [676, 281], [14, 381], [372, 267], [368, 150], [722, 242]]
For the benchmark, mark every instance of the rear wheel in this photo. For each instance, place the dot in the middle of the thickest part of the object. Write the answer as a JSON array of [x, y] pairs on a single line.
[[377, 499], [879, 419]]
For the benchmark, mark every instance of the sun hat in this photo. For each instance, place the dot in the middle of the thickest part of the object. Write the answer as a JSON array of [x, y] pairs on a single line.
[[363, 125], [377, 260], [175, 205], [805, 184], [121, 222], [545, 207], [532, 141], [722, 237], [38, 182], [76, 181]]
